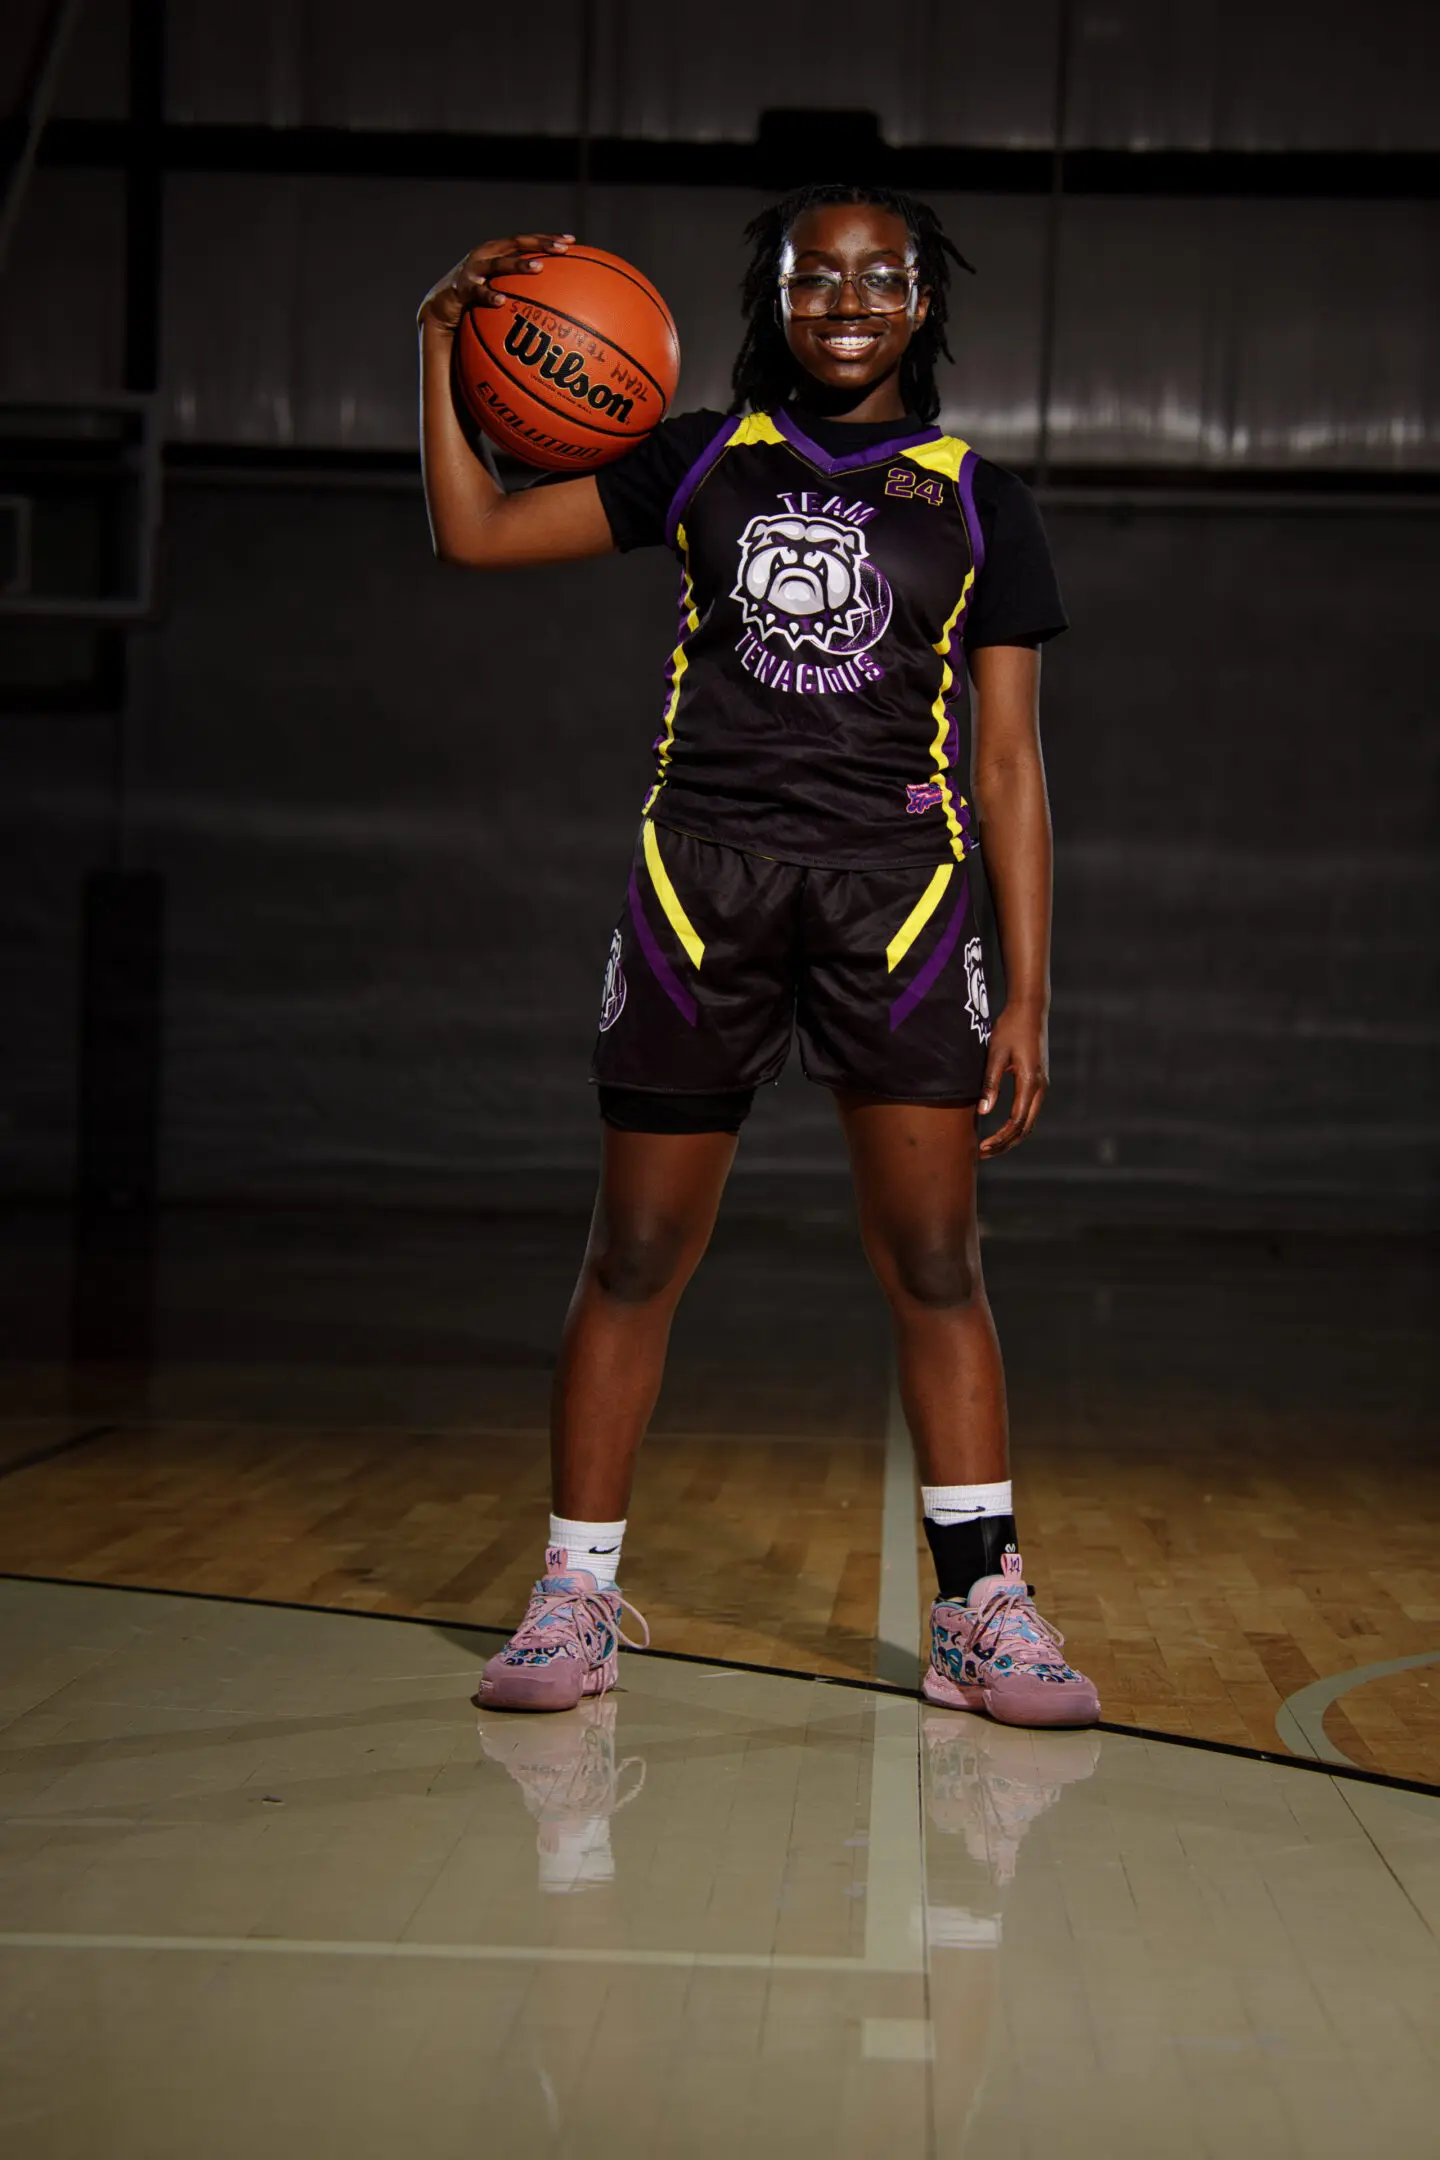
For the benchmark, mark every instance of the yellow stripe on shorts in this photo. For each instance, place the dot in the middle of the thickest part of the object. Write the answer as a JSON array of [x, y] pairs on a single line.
[[919, 915], [669, 899]]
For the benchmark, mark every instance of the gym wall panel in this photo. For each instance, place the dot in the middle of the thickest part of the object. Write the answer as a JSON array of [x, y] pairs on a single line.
[[94, 74], [290, 303], [1242, 74], [452, 67], [991, 391], [62, 324], [1254, 75], [1300, 334], [963, 73], [54, 829], [939, 74]]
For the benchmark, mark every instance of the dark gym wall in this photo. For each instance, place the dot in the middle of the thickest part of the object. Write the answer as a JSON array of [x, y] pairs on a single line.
[[392, 804]]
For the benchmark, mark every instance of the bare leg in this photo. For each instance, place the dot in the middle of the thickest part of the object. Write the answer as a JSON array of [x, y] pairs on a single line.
[[914, 1170], [659, 1194]]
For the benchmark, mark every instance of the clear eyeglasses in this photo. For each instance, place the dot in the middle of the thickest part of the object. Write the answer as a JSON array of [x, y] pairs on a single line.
[[885, 290]]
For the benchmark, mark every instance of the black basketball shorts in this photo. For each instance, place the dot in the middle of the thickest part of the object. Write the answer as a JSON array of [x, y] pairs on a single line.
[[719, 955]]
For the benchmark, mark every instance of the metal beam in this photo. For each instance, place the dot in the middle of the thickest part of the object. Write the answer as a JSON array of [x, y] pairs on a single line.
[[607, 160]]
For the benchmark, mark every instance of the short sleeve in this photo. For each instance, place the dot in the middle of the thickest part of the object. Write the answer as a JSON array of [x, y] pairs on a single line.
[[1017, 594], [637, 490]]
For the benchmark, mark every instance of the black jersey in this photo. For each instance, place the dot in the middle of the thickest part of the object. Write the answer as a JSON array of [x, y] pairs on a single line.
[[816, 706]]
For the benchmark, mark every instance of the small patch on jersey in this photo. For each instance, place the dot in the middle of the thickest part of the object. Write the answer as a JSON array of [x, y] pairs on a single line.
[[612, 997], [921, 797], [977, 997]]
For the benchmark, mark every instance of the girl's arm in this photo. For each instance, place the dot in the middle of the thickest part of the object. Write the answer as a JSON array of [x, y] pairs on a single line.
[[472, 520], [1009, 782]]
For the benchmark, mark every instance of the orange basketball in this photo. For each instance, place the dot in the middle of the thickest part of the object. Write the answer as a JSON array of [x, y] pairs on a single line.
[[577, 369]]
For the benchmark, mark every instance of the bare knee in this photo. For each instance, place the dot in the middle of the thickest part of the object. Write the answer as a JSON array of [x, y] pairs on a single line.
[[936, 1272], [638, 1262]]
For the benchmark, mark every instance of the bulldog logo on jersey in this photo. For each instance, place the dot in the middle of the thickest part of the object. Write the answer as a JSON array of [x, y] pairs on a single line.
[[810, 581]]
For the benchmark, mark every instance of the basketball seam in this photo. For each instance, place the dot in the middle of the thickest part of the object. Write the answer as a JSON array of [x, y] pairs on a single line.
[[590, 331], [632, 277], [518, 382]]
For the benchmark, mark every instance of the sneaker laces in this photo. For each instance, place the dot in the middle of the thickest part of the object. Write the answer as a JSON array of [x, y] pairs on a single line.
[[586, 1615], [1008, 1620]]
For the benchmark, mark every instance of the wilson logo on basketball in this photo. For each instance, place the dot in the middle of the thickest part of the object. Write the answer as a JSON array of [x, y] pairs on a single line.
[[528, 344]]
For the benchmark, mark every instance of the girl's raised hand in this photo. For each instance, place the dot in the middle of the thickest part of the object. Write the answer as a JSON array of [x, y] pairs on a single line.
[[468, 284]]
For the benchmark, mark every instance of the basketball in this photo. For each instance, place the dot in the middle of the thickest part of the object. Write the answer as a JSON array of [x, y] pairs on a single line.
[[577, 369]]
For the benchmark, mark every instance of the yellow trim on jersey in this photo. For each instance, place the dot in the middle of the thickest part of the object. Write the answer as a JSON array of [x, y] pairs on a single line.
[[942, 716], [669, 899], [679, 661], [919, 915], [945, 456], [756, 427]]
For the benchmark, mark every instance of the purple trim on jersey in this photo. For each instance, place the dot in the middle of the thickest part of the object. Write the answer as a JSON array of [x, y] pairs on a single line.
[[660, 967], [872, 456], [680, 500], [682, 624], [929, 975], [972, 516]]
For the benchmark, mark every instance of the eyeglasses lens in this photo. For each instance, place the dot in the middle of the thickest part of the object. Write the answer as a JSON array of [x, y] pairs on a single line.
[[817, 292]]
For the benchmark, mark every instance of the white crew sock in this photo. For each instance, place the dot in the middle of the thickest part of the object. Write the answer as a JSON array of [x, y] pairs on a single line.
[[594, 1546], [966, 1503]]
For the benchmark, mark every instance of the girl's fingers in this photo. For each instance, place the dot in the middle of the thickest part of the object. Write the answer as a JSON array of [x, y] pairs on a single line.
[[995, 1070]]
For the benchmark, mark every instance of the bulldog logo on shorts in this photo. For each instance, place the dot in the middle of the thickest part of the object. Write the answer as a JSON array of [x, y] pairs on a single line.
[[977, 997], [805, 579], [612, 997]]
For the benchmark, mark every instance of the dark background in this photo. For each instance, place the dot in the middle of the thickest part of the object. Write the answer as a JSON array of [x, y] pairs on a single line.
[[370, 816]]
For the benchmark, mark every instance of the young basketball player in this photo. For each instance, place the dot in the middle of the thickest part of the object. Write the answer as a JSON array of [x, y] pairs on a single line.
[[804, 862]]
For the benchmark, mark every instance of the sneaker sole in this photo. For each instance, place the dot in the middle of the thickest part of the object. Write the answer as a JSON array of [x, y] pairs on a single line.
[[936, 1688], [515, 1694]]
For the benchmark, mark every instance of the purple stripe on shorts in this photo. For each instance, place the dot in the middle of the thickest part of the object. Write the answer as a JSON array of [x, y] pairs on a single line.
[[660, 967], [972, 516], [870, 456], [929, 975], [680, 500]]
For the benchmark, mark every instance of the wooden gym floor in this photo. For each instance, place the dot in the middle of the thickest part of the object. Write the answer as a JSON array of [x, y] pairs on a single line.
[[1226, 1483]]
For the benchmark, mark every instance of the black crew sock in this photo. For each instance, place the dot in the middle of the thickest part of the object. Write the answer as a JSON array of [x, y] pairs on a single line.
[[964, 1551]]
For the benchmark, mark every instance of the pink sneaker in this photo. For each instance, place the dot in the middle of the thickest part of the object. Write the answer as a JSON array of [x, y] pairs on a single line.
[[566, 1646], [993, 1652]]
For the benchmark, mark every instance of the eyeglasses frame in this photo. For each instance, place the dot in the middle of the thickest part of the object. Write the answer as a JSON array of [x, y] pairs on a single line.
[[852, 278]]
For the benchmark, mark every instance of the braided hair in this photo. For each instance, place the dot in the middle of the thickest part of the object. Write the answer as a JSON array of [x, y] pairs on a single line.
[[765, 368]]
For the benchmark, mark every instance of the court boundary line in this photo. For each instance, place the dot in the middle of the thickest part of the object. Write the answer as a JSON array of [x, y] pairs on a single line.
[[458, 1953], [40, 1455], [1348, 1774], [897, 1620]]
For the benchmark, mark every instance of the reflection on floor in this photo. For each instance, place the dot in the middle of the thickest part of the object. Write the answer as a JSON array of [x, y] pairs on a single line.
[[264, 1888], [1227, 1485]]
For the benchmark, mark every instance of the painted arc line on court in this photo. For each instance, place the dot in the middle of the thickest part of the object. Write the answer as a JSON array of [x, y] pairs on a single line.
[[897, 1625], [1300, 1720], [455, 1953]]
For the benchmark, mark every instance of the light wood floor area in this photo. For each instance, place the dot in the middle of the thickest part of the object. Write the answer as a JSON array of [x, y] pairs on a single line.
[[1226, 1477]]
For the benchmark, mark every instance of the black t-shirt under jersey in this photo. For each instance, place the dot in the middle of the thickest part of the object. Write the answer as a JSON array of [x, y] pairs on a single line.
[[816, 707]]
